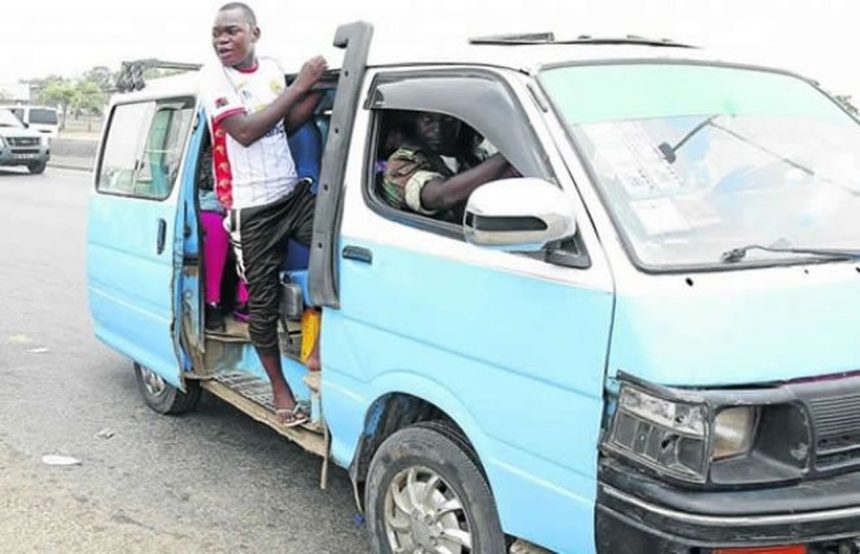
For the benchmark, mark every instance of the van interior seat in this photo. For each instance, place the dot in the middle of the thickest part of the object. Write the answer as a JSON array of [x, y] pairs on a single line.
[[306, 145]]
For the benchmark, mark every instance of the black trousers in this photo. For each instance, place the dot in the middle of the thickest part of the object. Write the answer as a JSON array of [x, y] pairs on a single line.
[[259, 237]]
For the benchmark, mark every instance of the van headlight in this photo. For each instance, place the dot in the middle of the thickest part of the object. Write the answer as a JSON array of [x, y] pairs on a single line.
[[733, 432], [3, 143], [660, 432], [709, 436]]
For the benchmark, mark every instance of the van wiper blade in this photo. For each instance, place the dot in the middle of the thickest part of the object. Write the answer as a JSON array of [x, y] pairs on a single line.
[[738, 254]]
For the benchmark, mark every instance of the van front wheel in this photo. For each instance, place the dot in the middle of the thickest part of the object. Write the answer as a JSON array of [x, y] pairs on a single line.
[[163, 397], [426, 494]]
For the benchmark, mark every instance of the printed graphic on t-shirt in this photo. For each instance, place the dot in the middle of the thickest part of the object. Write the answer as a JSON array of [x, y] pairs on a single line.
[[262, 172]]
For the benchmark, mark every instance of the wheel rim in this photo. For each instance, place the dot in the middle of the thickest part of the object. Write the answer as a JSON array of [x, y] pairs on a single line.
[[424, 515], [152, 382]]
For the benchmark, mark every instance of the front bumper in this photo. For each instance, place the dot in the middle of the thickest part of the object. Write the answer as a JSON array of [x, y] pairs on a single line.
[[637, 514], [11, 156]]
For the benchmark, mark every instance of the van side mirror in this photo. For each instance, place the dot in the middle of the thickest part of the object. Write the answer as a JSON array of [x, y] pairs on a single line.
[[518, 215]]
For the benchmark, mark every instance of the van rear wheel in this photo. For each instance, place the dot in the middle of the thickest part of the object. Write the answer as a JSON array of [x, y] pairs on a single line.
[[163, 397], [425, 494], [36, 167]]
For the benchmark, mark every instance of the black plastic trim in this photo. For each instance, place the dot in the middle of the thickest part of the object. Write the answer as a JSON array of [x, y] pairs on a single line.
[[732, 518], [509, 223], [358, 253], [355, 38]]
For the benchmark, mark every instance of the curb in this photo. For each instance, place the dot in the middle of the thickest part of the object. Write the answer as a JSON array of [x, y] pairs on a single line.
[[64, 162], [71, 167]]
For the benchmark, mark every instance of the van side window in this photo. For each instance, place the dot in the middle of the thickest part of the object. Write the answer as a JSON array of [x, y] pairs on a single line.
[[143, 150], [415, 148], [437, 135]]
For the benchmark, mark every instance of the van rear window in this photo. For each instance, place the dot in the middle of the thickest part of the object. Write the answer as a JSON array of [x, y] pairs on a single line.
[[43, 117]]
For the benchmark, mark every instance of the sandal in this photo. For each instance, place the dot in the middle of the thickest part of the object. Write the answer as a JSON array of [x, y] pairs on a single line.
[[295, 416]]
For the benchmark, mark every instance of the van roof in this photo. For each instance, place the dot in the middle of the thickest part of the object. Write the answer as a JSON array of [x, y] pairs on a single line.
[[525, 55]]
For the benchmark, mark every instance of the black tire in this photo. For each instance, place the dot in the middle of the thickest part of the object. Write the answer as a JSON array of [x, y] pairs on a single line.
[[435, 447], [165, 398], [36, 168]]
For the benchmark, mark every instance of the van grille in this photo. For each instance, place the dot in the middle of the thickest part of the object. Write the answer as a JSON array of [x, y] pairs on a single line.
[[837, 430], [23, 141]]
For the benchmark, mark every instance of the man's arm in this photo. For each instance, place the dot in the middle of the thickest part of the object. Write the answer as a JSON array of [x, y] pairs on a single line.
[[303, 111], [441, 194], [246, 128]]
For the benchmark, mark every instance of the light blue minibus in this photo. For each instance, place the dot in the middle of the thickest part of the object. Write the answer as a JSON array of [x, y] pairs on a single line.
[[645, 342]]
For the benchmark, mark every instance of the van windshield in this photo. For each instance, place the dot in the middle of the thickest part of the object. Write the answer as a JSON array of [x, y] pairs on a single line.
[[43, 116], [693, 161]]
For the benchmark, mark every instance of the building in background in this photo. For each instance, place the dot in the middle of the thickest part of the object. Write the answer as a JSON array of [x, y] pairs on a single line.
[[16, 93]]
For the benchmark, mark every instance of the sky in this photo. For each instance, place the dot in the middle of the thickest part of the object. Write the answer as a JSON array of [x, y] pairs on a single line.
[[813, 37]]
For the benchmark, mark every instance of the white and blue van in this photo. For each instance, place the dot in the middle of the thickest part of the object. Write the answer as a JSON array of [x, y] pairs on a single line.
[[647, 343]]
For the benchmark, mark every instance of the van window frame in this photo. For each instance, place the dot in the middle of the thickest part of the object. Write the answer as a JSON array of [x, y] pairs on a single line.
[[571, 252], [188, 102]]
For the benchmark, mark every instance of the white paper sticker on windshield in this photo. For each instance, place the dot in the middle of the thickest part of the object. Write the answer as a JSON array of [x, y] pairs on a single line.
[[659, 216], [697, 212], [627, 152]]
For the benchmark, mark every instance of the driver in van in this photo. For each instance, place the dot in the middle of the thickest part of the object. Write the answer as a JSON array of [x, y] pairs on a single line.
[[251, 111], [437, 167]]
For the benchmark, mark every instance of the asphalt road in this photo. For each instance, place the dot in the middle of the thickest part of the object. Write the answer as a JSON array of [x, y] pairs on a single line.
[[210, 481]]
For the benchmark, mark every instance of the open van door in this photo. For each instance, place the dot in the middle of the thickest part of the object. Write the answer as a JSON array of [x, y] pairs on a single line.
[[134, 234]]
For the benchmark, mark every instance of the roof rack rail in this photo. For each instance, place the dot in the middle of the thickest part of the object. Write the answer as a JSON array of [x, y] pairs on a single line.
[[517, 38], [130, 77], [549, 38]]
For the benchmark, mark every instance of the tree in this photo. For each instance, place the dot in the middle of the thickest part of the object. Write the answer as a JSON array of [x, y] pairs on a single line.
[[60, 93], [101, 76], [88, 98]]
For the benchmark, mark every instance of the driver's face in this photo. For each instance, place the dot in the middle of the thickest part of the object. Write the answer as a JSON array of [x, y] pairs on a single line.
[[439, 132]]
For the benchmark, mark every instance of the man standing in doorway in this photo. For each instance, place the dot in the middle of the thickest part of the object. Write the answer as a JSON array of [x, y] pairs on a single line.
[[251, 110]]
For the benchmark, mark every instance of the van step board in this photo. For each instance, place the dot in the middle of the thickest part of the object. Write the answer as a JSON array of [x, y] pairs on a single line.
[[253, 396], [237, 331]]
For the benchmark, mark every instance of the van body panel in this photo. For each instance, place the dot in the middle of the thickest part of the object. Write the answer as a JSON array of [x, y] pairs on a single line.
[[130, 283], [738, 327], [486, 339]]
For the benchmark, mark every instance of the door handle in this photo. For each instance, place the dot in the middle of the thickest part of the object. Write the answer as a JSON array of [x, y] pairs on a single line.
[[358, 254], [162, 235]]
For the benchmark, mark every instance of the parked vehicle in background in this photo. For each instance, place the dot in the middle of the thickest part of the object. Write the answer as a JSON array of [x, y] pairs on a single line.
[[22, 146], [42, 119]]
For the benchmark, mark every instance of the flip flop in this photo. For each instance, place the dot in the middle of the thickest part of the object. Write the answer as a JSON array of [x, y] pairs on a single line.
[[293, 417]]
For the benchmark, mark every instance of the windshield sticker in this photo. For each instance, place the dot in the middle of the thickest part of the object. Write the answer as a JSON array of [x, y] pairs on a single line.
[[660, 216], [625, 150], [697, 211]]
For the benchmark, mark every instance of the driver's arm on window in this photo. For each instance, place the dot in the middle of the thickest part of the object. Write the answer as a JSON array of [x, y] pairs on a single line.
[[441, 194]]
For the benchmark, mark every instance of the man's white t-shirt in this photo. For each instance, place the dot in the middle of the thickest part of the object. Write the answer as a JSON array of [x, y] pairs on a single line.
[[264, 171]]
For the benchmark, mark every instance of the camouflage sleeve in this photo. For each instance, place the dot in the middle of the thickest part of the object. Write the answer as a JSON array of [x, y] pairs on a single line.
[[405, 175]]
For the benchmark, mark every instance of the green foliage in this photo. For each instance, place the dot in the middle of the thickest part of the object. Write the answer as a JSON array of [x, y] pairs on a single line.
[[85, 95], [88, 98]]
